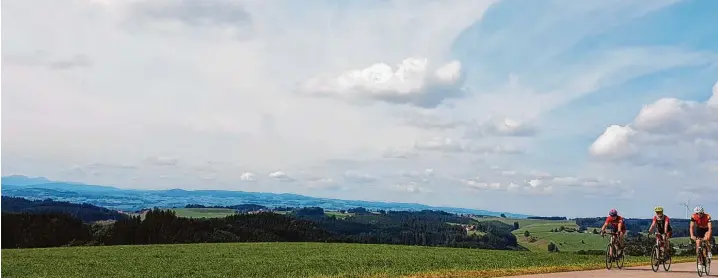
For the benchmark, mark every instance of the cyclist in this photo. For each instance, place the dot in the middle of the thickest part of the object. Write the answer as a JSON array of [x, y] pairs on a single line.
[[704, 229], [617, 225], [662, 224]]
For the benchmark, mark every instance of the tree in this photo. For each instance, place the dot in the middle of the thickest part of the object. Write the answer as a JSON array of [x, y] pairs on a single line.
[[503, 215], [527, 233], [516, 225], [552, 247]]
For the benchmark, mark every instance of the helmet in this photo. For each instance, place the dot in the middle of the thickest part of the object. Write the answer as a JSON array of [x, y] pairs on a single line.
[[658, 209], [698, 209], [613, 212]]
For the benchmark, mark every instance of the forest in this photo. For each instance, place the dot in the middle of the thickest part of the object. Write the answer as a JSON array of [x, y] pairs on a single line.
[[30, 228]]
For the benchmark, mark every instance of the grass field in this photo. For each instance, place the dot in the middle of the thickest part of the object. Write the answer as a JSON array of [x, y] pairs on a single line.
[[541, 231], [203, 212], [286, 260]]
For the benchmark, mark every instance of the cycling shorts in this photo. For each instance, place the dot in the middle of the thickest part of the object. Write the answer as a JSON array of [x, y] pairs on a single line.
[[701, 232]]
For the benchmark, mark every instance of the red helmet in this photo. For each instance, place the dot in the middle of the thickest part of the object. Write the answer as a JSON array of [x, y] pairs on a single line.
[[612, 212]]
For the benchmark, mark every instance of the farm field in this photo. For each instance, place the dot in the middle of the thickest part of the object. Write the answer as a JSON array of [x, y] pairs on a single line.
[[541, 231], [285, 260], [203, 212]]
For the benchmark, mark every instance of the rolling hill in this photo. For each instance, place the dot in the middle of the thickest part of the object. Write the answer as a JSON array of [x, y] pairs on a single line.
[[133, 200]]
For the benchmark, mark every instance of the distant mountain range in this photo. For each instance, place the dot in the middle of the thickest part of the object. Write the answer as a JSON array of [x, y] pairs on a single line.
[[132, 200]]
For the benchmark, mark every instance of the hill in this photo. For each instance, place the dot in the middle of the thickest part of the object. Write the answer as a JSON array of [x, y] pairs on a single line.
[[134, 200], [287, 260]]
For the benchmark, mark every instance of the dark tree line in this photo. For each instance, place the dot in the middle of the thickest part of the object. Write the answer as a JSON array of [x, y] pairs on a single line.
[[85, 212], [427, 228]]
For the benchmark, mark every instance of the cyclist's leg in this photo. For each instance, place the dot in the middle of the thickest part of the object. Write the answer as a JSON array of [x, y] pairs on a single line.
[[708, 242], [699, 236]]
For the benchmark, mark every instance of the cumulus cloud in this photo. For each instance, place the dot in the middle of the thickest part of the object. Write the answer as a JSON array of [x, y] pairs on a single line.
[[414, 82], [281, 176], [663, 130], [248, 176]]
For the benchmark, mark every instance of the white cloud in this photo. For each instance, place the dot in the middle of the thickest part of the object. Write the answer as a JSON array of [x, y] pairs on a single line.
[[411, 188], [413, 82], [281, 176], [662, 132], [248, 176]]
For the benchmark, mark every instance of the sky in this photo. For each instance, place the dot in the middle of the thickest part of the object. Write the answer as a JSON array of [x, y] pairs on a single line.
[[540, 107]]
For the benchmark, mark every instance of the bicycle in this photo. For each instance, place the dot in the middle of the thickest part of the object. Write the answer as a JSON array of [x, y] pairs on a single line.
[[660, 255], [703, 263], [611, 250]]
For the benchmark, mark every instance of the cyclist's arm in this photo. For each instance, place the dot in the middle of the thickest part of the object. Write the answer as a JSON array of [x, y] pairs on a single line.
[[710, 228], [653, 225], [690, 229], [603, 228], [665, 225]]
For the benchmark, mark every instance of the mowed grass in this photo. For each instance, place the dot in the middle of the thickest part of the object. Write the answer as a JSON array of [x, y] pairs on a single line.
[[285, 260], [541, 230], [203, 212]]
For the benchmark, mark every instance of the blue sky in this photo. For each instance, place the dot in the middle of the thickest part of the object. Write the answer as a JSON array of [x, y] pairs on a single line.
[[538, 107]]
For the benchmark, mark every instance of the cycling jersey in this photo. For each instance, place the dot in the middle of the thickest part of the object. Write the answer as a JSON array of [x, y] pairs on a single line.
[[701, 222], [661, 222], [614, 222]]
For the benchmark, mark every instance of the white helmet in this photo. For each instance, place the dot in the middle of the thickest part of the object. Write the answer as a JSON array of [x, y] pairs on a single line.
[[698, 209]]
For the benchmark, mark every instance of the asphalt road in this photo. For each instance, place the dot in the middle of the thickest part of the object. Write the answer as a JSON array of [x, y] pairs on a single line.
[[677, 270]]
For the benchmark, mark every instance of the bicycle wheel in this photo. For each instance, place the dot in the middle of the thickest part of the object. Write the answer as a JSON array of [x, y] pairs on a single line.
[[699, 264], [668, 261], [620, 260], [609, 259], [708, 266], [654, 259]]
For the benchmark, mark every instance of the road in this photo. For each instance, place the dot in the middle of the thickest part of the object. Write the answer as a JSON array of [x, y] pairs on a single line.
[[677, 271]]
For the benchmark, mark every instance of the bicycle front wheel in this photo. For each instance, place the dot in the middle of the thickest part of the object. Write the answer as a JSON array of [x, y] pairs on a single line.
[[668, 261], [609, 259], [654, 259]]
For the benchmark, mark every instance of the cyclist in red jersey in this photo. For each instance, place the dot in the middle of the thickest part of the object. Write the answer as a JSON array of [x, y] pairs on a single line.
[[617, 225], [701, 221]]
